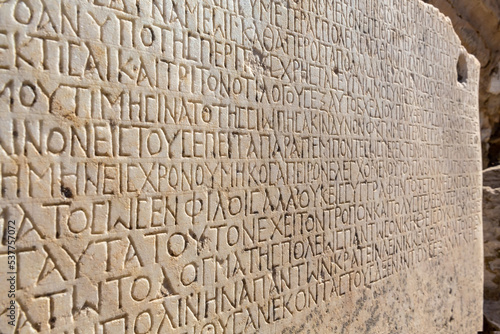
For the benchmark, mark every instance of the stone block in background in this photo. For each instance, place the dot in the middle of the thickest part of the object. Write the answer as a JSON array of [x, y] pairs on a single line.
[[477, 24], [238, 166], [491, 227]]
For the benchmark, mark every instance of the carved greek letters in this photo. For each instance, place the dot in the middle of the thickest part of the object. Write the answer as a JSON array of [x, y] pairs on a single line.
[[237, 166]]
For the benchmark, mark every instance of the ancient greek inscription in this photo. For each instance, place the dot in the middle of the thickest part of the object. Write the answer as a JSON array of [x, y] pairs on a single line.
[[228, 166]]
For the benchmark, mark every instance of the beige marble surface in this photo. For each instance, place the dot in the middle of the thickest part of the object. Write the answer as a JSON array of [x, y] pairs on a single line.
[[238, 166]]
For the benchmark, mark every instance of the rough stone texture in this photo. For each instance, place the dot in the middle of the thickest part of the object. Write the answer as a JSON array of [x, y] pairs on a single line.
[[491, 225], [258, 167], [477, 23]]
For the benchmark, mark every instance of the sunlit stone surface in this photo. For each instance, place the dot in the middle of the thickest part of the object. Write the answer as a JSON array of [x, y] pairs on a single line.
[[238, 167]]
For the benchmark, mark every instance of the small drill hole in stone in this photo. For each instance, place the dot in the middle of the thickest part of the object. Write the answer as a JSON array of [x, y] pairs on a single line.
[[462, 69]]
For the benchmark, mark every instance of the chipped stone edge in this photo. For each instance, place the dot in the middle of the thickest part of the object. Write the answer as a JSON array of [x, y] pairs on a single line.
[[474, 64]]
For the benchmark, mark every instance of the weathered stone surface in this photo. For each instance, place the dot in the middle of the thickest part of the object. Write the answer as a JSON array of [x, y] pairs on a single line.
[[491, 223], [477, 24], [228, 167]]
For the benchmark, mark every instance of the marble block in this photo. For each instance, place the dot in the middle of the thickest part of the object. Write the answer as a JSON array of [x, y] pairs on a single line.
[[246, 166]]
